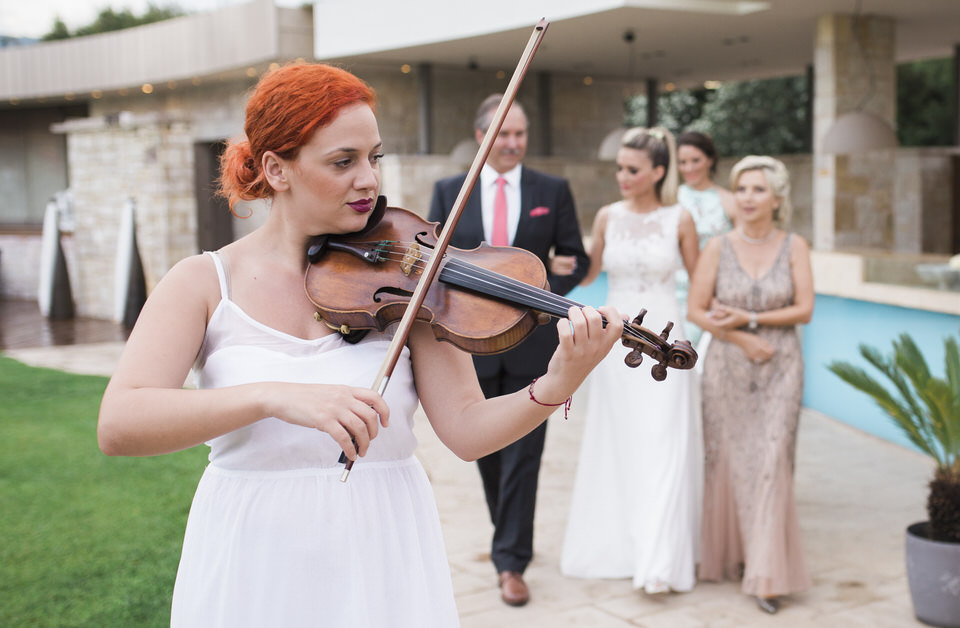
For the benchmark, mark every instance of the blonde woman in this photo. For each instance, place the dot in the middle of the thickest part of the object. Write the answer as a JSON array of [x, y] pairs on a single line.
[[751, 289], [635, 504]]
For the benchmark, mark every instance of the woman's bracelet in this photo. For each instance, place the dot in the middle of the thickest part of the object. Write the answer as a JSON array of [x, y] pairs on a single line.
[[565, 404]]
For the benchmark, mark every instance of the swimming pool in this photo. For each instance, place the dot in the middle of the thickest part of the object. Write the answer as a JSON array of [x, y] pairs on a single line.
[[838, 327]]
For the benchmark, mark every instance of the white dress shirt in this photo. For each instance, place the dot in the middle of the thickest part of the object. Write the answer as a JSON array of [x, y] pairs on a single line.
[[488, 190]]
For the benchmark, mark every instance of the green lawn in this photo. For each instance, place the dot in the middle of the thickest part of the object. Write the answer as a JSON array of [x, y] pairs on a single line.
[[85, 540]]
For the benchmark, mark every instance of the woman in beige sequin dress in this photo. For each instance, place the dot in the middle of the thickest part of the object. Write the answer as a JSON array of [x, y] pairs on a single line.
[[751, 289]]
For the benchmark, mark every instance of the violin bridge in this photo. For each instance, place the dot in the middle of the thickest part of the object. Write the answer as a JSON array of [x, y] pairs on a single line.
[[410, 259]]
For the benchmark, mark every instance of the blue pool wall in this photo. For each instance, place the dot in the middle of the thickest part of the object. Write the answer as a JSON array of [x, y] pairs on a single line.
[[838, 327]]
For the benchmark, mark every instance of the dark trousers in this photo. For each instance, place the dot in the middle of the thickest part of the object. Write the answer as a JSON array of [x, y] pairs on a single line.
[[510, 484]]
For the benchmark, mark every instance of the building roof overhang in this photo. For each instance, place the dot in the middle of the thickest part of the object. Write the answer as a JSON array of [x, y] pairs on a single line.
[[233, 42], [680, 42], [686, 42]]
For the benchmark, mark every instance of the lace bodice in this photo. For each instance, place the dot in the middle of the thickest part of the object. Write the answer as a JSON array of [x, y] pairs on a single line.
[[641, 252]]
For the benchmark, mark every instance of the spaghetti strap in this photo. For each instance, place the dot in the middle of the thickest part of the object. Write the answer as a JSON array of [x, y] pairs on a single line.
[[222, 273]]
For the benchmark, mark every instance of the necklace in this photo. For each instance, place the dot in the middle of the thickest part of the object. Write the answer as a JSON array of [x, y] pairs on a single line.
[[750, 240]]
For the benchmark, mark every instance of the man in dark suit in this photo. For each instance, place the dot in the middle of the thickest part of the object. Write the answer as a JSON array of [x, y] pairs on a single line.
[[518, 206]]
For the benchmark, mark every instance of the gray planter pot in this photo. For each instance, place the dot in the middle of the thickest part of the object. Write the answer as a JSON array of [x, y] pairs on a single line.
[[933, 571]]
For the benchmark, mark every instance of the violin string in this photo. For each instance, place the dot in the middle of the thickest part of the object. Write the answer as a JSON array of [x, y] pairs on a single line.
[[500, 285], [514, 288], [535, 294]]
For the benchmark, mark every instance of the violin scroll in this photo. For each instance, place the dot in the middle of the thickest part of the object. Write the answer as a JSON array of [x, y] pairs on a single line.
[[678, 355]]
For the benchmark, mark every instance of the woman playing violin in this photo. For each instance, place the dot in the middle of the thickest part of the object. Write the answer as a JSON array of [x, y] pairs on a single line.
[[273, 537]]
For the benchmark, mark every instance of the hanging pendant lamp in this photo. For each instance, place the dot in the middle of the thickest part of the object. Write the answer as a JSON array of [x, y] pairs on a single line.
[[859, 131]]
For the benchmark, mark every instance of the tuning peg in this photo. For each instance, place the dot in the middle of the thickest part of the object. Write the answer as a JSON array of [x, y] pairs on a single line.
[[638, 319], [634, 358], [666, 330], [659, 372]]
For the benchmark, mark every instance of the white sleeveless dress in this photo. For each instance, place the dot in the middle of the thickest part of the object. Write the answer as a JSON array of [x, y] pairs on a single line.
[[273, 537], [635, 509]]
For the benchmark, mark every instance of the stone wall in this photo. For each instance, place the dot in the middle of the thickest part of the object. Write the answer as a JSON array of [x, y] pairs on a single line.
[[146, 154], [581, 115], [922, 201], [166, 209], [854, 70], [145, 159]]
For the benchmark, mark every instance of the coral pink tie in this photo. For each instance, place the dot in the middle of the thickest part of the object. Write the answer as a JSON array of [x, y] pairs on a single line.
[[500, 215]]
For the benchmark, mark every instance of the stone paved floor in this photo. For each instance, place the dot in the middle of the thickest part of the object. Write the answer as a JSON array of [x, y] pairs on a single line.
[[856, 495]]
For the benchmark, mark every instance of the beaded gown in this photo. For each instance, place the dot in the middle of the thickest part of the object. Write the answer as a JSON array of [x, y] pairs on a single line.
[[636, 497], [273, 537], [750, 417]]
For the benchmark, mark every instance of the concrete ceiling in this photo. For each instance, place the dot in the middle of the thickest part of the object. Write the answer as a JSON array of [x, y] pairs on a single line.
[[685, 42]]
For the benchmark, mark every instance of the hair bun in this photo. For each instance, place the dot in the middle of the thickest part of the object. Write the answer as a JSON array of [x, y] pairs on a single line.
[[240, 176]]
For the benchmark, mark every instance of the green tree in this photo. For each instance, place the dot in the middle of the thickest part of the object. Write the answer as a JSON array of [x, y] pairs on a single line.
[[111, 20], [924, 103], [765, 117], [108, 20], [769, 116], [676, 110], [759, 117], [58, 31]]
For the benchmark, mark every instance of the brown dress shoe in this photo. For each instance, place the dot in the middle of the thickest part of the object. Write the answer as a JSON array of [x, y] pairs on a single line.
[[513, 590]]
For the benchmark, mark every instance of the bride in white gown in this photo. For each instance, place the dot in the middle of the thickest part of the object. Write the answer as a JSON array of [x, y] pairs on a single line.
[[635, 510]]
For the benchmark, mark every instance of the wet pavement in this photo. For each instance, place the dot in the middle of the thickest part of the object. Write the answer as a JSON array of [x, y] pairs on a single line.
[[856, 494], [23, 327]]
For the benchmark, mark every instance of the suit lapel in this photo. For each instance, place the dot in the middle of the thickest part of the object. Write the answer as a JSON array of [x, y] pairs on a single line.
[[471, 222], [469, 231], [526, 204]]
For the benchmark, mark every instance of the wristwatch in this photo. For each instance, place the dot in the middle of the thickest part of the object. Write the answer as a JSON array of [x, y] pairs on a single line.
[[753, 321]]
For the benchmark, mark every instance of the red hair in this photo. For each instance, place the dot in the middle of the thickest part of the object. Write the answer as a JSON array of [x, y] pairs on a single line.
[[286, 107]]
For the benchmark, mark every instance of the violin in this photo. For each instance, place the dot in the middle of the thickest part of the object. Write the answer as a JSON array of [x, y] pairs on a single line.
[[393, 259], [485, 300]]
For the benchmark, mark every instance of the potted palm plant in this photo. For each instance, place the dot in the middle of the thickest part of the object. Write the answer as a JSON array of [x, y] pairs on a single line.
[[927, 409]]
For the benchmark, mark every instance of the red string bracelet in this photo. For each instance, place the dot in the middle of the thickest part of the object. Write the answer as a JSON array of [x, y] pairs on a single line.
[[565, 404]]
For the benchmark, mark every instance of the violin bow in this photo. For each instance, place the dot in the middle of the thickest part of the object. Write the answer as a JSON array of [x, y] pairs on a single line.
[[433, 265]]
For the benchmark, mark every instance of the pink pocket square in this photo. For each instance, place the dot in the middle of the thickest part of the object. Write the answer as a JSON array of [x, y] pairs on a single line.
[[539, 211]]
